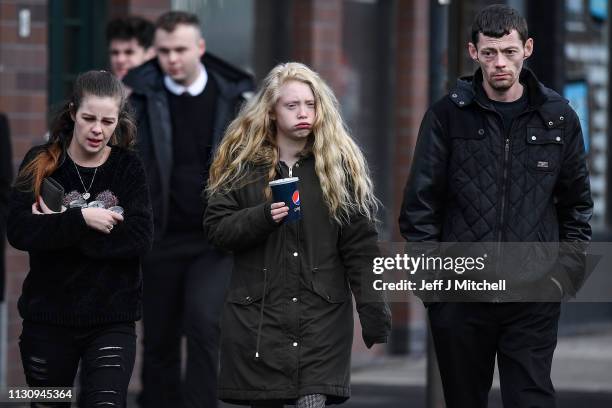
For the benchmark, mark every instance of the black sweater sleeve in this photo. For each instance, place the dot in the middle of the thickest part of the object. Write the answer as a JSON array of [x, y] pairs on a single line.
[[134, 235], [32, 232]]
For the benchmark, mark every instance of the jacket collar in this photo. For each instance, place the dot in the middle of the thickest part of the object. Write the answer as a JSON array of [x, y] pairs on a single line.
[[149, 76], [547, 102], [194, 89]]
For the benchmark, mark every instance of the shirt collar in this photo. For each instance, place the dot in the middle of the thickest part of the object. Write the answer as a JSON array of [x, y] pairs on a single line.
[[194, 89]]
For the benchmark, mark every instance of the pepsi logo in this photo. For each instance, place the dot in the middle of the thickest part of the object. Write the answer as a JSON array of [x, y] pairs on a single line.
[[296, 197]]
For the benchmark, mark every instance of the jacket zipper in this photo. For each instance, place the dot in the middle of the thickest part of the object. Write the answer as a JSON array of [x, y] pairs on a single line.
[[502, 221], [507, 145], [507, 142], [504, 183], [296, 164]]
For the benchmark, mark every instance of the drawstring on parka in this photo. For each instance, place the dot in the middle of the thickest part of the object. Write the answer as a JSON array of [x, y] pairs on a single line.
[[261, 312]]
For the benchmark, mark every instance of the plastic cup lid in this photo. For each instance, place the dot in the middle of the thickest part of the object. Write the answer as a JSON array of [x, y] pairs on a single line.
[[284, 181]]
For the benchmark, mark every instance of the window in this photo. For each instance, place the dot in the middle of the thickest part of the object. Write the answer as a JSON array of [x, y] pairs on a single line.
[[76, 43]]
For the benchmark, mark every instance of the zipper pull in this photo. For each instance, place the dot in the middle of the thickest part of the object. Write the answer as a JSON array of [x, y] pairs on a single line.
[[507, 147], [291, 171]]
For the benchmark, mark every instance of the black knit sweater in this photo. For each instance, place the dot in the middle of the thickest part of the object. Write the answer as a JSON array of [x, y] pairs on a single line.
[[80, 277]]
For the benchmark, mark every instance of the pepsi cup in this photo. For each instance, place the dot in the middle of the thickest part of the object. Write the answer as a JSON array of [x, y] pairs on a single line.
[[286, 191]]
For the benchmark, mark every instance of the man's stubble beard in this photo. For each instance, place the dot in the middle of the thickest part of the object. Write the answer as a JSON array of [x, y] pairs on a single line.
[[502, 88]]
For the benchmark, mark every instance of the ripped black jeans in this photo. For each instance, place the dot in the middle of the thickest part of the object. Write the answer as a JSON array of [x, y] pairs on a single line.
[[51, 354]]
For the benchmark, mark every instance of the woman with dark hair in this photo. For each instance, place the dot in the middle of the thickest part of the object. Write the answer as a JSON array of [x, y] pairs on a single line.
[[83, 291]]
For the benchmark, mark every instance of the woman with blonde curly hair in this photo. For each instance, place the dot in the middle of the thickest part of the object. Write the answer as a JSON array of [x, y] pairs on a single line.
[[287, 324]]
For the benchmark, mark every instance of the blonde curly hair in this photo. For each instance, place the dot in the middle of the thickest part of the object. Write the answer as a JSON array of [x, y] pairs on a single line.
[[339, 163]]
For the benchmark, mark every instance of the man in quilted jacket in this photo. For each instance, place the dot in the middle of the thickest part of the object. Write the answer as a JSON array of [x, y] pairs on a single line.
[[500, 159]]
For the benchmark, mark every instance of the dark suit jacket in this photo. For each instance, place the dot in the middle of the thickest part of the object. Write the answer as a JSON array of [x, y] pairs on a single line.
[[150, 104]]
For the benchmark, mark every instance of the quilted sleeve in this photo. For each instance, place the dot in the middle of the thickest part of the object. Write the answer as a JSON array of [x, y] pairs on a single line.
[[574, 210], [422, 208]]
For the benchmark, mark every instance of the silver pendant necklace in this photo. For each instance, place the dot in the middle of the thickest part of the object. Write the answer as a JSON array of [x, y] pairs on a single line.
[[86, 194]]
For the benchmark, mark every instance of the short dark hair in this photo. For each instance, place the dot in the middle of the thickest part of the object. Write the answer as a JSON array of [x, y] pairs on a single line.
[[168, 21], [498, 20], [127, 28]]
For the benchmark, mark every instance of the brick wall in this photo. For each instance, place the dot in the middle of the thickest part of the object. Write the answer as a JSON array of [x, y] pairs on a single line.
[[411, 86], [411, 101], [150, 9], [317, 37], [23, 97]]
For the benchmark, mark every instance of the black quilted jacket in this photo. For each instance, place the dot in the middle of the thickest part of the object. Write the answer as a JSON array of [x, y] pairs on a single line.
[[471, 181]]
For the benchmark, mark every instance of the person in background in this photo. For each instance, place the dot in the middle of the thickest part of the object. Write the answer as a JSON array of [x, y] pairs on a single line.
[[130, 43], [83, 291], [183, 100]]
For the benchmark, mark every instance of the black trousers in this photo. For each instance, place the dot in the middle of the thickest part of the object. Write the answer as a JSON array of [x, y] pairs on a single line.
[[183, 295], [50, 356], [468, 336]]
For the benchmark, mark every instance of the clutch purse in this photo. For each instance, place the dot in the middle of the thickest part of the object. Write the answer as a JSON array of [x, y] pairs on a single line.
[[52, 194]]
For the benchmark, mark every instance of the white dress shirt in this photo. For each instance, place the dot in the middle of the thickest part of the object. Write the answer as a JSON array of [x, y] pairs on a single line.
[[194, 89]]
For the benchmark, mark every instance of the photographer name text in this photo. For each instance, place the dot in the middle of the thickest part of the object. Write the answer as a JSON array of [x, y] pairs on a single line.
[[441, 285]]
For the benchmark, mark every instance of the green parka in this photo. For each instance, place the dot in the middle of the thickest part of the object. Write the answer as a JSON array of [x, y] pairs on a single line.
[[287, 323]]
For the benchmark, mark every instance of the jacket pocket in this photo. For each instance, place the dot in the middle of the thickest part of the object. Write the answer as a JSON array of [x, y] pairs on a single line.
[[544, 149], [331, 284], [247, 285], [469, 145], [469, 133], [246, 295]]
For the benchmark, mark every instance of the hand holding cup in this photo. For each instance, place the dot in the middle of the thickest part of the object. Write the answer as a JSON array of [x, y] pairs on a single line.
[[279, 211], [286, 198]]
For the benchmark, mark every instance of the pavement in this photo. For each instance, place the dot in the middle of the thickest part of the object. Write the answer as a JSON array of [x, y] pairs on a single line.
[[581, 373], [581, 363]]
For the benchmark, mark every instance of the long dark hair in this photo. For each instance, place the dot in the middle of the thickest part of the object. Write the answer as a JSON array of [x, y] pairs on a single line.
[[90, 83]]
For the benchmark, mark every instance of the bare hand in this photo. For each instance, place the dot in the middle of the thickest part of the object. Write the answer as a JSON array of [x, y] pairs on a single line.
[[41, 208], [279, 211], [101, 219]]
